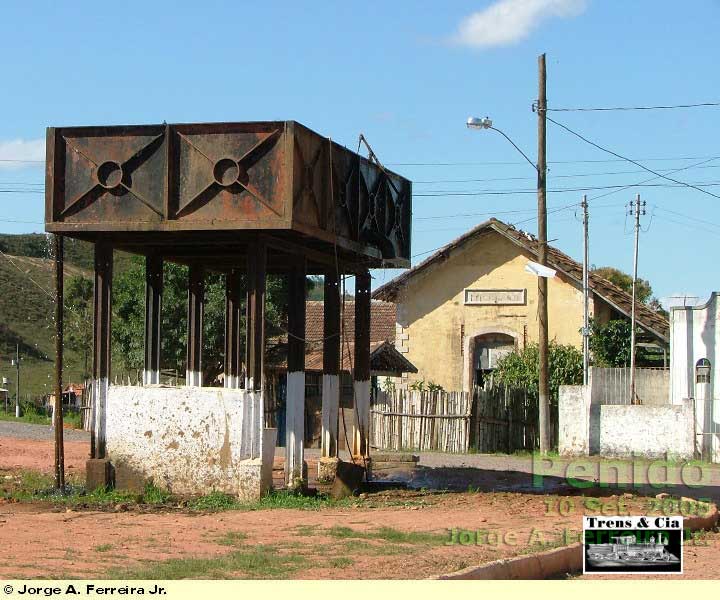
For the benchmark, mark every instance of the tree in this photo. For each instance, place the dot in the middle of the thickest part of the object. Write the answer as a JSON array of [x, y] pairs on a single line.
[[79, 318], [643, 288], [519, 369], [610, 343], [128, 331]]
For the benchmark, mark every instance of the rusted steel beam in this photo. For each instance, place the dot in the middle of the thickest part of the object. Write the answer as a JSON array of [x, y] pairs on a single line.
[[102, 324], [255, 314], [233, 308], [195, 315], [153, 317], [361, 368], [331, 365], [58, 411], [295, 405]]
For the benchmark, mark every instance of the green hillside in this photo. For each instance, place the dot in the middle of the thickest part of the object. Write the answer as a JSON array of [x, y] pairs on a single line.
[[27, 309]]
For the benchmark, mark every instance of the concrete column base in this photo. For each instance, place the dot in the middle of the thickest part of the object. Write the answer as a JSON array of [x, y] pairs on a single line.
[[98, 474], [127, 478], [299, 483], [253, 483], [327, 467]]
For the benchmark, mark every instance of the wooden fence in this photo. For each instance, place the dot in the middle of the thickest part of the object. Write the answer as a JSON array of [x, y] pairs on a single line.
[[490, 420], [506, 420], [408, 420]]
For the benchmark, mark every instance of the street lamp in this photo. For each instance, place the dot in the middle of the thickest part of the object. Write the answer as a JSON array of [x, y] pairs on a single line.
[[540, 169], [486, 123]]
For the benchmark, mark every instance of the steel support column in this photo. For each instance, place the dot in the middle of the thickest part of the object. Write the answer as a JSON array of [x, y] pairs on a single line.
[[361, 371], [331, 366], [102, 324], [233, 314], [295, 405], [255, 315], [195, 316], [153, 308]]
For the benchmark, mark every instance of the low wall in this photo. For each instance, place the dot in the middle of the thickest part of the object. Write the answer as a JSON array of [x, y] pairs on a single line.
[[648, 431], [188, 440], [574, 420]]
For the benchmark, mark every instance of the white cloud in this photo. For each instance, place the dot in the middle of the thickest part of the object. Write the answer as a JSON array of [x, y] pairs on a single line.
[[508, 21], [14, 152]]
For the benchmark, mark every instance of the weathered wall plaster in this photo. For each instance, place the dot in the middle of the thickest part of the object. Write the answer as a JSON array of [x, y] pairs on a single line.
[[574, 420], [648, 431], [189, 440]]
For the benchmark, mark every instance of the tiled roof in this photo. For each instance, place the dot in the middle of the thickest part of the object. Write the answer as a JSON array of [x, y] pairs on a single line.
[[382, 320], [618, 298], [383, 354]]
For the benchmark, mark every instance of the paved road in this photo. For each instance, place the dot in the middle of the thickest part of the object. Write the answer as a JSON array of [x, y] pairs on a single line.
[[27, 431]]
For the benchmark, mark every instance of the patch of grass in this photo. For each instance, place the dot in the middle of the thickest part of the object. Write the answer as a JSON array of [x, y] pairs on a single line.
[[376, 549], [231, 538], [29, 416], [154, 495], [103, 548], [253, 562], [390, 534], [219, 501], [340, 562], [214, 501]]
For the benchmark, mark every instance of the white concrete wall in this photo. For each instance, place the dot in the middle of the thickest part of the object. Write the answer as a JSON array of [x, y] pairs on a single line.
[[574, 420], [189, 440], [649, 431], [695, 334]]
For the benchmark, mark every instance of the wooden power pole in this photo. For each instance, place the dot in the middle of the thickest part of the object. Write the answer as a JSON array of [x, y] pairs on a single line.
[[586, 293], [58, 411], [544, 387]]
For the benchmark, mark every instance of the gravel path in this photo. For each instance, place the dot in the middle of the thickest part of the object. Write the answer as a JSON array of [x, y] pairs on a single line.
[[27, 431]]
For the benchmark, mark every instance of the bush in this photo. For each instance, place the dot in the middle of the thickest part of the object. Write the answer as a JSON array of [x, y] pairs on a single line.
[[520, 368]]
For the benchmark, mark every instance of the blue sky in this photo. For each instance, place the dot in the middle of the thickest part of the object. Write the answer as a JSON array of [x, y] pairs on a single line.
[[407, 75]]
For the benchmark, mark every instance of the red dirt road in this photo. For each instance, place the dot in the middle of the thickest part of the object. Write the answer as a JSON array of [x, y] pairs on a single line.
[[39, 455], [41, 541]]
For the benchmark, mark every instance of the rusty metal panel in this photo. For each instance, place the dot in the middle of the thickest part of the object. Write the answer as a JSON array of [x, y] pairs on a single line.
[[271, 176], [107, 175], [229, 173]]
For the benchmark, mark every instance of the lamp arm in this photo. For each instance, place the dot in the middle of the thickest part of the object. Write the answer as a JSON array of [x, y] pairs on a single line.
[[534, 166]]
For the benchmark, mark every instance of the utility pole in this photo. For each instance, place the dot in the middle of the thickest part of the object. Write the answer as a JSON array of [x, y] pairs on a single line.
[[635, 211], [544, 387], [58, 411], [586, 293], [16, 363]]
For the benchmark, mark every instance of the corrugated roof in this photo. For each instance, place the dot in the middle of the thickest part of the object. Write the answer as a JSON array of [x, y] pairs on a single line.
[[618, 298]]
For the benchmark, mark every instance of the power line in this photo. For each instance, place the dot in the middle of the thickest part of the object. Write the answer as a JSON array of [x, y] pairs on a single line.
[[526, 210], [21, 160], [552, 176], [447, 193], [685, 168], [648, 169], [554, 162], [660, 107]]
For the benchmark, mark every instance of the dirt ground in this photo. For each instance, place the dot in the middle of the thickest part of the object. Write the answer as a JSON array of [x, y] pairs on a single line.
[[40, 540]]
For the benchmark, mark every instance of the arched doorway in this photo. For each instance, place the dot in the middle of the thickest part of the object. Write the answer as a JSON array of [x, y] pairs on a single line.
[[485, 351]]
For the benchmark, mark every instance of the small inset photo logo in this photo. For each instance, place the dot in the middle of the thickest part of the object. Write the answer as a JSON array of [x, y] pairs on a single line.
[[632, 545]]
